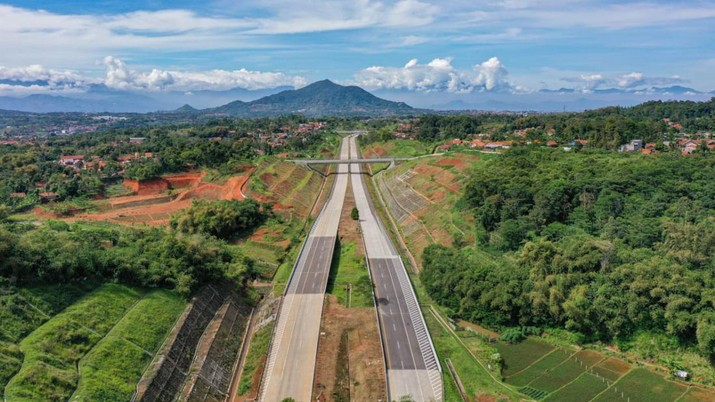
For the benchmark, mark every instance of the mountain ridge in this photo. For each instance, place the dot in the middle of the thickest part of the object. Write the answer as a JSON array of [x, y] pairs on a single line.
[[321, 98]]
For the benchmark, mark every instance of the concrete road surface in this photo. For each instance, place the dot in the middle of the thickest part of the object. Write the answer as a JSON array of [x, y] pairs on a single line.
[[412, 365], [291, 361]]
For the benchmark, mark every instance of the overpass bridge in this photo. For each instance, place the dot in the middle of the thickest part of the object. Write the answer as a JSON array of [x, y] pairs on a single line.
[[308, 162]]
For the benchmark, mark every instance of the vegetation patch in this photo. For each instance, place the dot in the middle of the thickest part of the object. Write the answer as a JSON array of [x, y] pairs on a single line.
[[256, 357], [539, 368], [349, 272], [584, 388], [520, 355], [49, 370], [643, 385], [476, 379], [114, 366]]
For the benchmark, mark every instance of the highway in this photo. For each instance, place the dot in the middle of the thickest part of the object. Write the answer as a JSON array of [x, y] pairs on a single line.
[[291, 361], [412, 365]]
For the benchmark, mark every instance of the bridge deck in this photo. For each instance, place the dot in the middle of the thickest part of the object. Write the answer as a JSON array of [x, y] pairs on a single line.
[[347, 161]]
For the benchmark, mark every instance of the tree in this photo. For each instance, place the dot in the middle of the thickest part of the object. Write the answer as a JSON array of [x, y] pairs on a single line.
[[355, 214]]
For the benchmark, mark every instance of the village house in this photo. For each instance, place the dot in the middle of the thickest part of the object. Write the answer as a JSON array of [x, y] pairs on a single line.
[[136, 140], [477, 144], [493, 146], [633, 146], [71, 160]]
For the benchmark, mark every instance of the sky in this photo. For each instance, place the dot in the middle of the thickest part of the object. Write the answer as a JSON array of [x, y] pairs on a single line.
[[422, 49]]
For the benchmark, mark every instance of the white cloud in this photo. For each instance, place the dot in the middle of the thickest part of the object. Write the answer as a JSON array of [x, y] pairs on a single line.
[[119, 76], [624, 81], [38, 79], [316, 15], [437, 75]]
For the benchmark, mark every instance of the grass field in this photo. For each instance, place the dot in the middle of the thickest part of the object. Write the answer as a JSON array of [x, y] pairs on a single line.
[[256, 354], [475, 378], [611, 368], [113, 367], [539, 368], [561, 375], [643, 385], [584, 388], [49, 370], [349, 268], [521, 355], [396, 149], [23, 312]]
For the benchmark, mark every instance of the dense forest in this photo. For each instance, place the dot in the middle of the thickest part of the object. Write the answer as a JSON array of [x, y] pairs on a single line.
[[603, 244], [604, 128], [57, 252]]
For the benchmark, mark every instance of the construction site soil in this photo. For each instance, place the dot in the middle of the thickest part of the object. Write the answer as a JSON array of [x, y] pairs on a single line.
[[157, 200]]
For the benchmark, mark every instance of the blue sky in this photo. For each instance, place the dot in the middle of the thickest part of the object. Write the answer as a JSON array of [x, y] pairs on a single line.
[[420, 47]]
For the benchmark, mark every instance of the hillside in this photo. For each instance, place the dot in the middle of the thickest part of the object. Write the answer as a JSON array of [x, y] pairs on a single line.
[[322, 98]]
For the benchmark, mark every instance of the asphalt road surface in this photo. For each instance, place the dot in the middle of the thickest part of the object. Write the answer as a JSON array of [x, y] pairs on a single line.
[[412, 365], [291, 361]]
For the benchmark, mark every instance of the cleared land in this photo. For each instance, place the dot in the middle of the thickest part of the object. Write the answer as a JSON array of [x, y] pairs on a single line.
[[349, 365], [155, 205], [111, 369], [49, 369]]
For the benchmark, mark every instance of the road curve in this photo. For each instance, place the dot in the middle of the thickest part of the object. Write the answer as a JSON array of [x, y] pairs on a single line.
[[412, 366], [291, 361]]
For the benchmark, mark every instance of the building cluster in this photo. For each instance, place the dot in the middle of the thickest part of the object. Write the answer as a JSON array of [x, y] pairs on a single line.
[[482, 142], [686, 146]]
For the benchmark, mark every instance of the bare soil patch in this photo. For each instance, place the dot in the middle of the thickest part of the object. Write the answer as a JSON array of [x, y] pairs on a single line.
[[362, 362], [154, 206]]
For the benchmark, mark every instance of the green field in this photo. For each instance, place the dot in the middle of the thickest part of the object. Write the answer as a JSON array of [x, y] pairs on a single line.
[[23, 312], [476, 379], [642, 385], [521, 355], [539, 368], [348, 268], [112, 368], [257, 351], [559, 376], [584, 388], [52, 351]]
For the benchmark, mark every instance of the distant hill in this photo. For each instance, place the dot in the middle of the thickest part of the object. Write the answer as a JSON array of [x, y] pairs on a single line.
[[322, 98]]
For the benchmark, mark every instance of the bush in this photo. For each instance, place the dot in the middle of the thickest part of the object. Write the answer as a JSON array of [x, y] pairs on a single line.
[[224, 219]]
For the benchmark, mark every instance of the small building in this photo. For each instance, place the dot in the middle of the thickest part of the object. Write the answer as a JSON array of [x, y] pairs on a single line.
[[633, 146], [477, 144], [682, 374], [136, 140], [71, 160], [48, 196], [552, 144]]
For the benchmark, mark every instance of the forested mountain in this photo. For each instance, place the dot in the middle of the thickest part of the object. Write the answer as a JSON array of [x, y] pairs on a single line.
[[322, 98]]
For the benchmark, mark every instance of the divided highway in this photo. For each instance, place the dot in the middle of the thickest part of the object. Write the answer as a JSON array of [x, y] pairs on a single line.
[[412, 365], [291, 361]]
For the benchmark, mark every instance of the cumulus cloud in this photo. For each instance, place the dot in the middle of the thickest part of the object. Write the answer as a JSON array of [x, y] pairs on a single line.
[[633, 80], [437, 75], [36, 78], [119, 76]]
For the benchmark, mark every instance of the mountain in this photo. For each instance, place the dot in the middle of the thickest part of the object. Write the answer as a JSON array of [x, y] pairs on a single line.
[[185, 109], [322, 98]]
